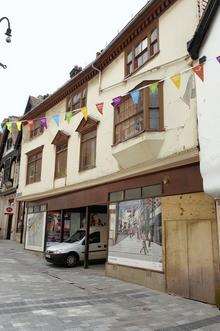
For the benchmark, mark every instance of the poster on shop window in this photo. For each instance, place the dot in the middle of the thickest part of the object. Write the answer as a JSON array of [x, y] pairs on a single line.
[[35, 231], [136, 239]]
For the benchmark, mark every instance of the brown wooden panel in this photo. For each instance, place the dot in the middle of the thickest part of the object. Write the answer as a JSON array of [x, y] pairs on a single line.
[[181, 180], [195, 206], [200, 257], [176, 258]]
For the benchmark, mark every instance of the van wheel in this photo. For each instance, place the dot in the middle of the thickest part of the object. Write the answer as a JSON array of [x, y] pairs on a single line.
[[71, 260]]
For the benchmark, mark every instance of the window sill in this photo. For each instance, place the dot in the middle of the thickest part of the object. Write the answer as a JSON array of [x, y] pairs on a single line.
[[38, 181], [139, 68], [88, 168], [138, 134], [60, 177]]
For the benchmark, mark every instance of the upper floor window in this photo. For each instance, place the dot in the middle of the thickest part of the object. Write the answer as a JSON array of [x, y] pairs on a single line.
[[141, 51], [7, 170], [36, 129], [34, 165], [147, 115], [61, 144], [88, 132], [61, 161], [9, 144], [77, 100]]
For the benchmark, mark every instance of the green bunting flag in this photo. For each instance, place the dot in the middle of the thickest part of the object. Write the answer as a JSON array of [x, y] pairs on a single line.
[[68, 116], [154, 88]]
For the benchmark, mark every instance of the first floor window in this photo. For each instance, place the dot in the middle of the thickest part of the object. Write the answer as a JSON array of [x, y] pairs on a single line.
[[131, 119], [88, 150], [34, 164], [61, 161]]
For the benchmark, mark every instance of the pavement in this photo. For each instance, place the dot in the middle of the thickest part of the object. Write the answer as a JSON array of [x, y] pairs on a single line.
[[35, 295]]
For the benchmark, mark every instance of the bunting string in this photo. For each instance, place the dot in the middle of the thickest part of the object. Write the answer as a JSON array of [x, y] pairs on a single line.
[[176, 80]]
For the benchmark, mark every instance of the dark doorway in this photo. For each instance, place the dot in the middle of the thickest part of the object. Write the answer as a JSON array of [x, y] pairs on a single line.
[[9, 227]]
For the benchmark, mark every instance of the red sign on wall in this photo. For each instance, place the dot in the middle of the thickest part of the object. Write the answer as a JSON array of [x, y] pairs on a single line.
[[9, 211]]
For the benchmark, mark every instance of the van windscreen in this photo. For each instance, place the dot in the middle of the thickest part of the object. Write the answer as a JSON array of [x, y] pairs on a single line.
[[77, 236]]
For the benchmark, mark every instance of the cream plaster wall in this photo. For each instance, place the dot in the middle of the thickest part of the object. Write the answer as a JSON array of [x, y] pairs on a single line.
[[180, 121], [208, 111]]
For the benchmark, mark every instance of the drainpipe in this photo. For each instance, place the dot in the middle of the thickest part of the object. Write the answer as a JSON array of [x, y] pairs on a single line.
[[100, 76]]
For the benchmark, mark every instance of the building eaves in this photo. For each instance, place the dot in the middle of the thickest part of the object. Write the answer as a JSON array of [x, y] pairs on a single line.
[[195, 44]]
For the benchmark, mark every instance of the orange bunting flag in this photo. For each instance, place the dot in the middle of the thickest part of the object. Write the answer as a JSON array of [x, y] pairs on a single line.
[[176, 79], [18, 124], [30, 124], [199, 71], [84, 111], [99, 107]]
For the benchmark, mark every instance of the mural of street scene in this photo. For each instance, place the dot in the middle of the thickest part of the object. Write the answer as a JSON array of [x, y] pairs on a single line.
[[137, 239]]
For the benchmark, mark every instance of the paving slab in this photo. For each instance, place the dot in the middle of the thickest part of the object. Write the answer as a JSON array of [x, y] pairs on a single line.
[[35, 295]]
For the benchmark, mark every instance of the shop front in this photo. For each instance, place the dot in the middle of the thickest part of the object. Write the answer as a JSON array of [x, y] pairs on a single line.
[[157, 226]]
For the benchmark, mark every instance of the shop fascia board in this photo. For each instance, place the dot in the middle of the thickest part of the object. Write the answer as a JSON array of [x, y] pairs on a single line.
[[180, 159]]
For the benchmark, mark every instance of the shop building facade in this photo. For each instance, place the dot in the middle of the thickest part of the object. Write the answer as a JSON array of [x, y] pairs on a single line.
[[134, 168]]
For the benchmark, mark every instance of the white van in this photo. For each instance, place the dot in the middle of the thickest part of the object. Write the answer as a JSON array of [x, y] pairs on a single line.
[[72, 251]]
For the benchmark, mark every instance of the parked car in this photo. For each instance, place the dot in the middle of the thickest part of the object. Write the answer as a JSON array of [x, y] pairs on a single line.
[[72, 250]]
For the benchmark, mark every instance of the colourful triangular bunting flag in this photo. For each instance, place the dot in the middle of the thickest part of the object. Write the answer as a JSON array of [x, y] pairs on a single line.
[[218, 59], [68, 116], [43, 122], [56, 119], [18, 125], [99, 107], [30, 124], [135, 95], [9, 126], [199, 71], [153, 88], [117, 101], [176, 79], [84, 111]]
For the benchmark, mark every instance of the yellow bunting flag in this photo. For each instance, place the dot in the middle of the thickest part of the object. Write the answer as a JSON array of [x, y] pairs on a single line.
[[9, 126], [84, 111], [18, 124], [176, 79]]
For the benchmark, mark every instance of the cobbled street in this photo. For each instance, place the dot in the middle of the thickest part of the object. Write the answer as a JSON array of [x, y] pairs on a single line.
[[37, 296]]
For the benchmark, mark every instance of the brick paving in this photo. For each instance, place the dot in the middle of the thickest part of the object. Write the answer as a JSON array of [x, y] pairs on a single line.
[[37, 296]]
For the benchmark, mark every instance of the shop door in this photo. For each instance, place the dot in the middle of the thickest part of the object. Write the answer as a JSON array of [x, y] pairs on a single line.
[[189, 247], [9, 227]]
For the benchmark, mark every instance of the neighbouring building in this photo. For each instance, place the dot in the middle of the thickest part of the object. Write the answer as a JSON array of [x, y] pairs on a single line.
[[9, 173], [136, 166], [204, 49]]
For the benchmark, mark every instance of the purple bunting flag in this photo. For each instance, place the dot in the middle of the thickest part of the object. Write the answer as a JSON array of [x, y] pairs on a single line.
[[43, 122], [117, 101], [218, 59]]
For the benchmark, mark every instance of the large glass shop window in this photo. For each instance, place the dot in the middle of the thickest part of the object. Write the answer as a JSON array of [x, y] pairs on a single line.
[[135, 233], [54, 227], [72, 223]]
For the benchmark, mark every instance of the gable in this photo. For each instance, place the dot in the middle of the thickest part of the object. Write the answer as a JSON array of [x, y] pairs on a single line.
[[60, 138], [86, 126]]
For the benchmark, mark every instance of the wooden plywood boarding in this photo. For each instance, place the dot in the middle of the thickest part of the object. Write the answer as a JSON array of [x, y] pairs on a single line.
[[200, 256], [176, 259], [189, 246], [196, 206]]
